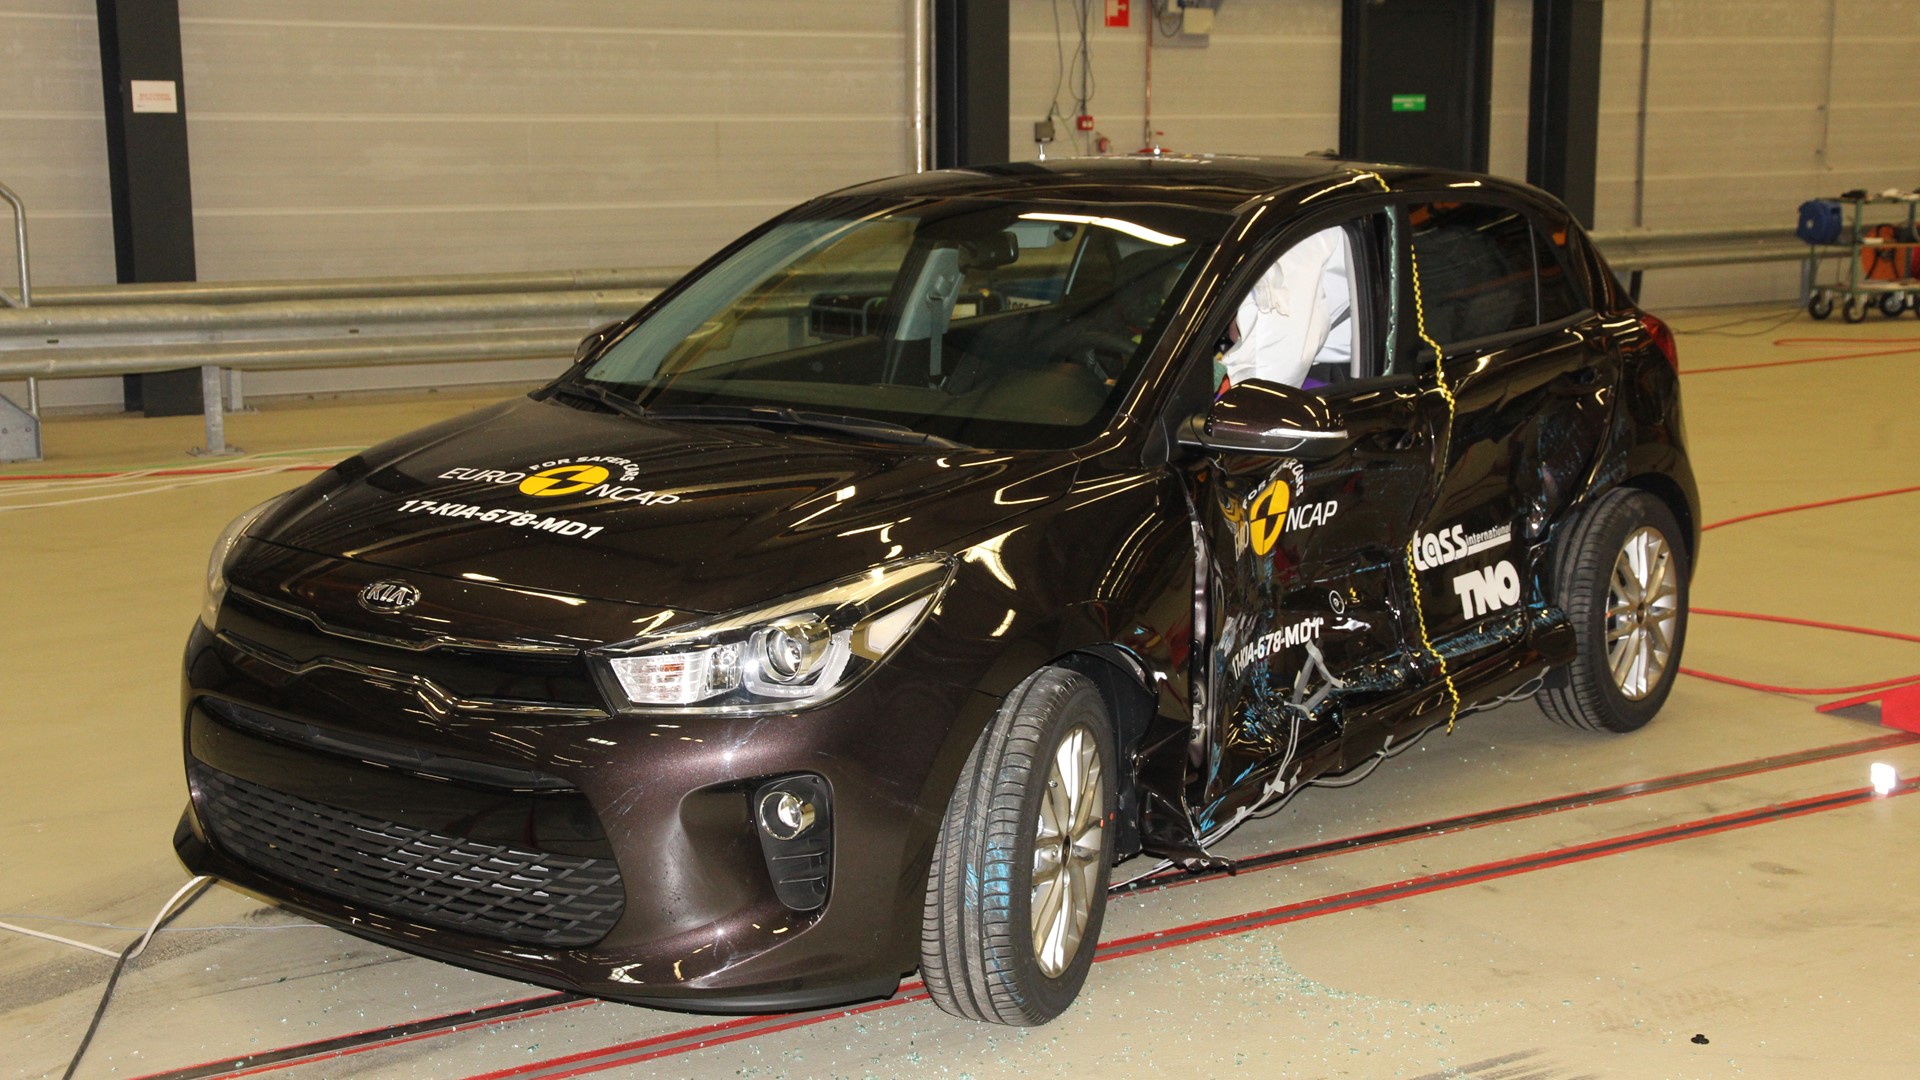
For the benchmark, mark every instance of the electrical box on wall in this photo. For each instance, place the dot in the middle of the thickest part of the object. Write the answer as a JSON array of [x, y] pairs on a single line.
[[1183, 24]]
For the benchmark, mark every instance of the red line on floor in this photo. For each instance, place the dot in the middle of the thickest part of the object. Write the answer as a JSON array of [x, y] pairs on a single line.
[[1846, 340], [322, 1049], [1820, 691], [1474, 875], [163, 473], [1816, 624], [616, 1056], [1505, 815], [1813, 506], [1805, 360], [333, 1055]]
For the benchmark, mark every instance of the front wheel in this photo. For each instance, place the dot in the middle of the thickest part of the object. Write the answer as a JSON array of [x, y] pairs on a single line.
[[1018, 886], [1820, 304], [1622, 579]]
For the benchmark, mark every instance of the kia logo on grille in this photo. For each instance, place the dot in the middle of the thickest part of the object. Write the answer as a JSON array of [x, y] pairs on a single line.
[[388, 597]]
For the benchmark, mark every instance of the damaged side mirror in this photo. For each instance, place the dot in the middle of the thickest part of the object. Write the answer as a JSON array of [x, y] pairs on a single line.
[[1261, 417]]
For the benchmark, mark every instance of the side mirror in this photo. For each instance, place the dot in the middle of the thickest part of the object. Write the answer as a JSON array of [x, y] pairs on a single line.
[[590, 345], [1261, 417]]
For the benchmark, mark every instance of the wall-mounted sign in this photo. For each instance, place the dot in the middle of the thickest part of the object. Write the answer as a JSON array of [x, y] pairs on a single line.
[[1409, 103], [1119, 13], [155, 95]]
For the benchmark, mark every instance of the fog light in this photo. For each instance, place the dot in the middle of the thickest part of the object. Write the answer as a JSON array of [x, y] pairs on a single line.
[[785, 815], [794, 815]]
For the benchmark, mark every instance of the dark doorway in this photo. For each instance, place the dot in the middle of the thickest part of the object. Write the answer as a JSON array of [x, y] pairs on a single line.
[[1416, 81]]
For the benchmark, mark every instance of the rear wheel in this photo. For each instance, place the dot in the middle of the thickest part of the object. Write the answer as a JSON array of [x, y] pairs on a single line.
[[1892, 304], [1623, 582], [1018, 886], [1820, 304], [1855, 309]]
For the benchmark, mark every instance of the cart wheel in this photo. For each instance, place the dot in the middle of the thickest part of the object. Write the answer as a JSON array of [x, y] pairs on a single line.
[[1892, 304], [1855, 309], [1820, 305]]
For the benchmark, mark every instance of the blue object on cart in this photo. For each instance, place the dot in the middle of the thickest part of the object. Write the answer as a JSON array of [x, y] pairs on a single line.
[[1820, 221]]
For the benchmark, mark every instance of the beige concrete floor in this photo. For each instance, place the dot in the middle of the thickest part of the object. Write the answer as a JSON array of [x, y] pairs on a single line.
[[1785, 949]]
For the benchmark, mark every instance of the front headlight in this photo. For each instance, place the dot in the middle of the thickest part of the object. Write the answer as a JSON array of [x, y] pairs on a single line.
[[217, 561], [799, 651]]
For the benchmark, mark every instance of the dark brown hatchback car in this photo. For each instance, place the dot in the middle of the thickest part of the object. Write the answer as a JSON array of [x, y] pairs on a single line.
[[855, 606]]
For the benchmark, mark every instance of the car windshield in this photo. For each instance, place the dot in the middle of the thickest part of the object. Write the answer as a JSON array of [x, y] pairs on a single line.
[[982, 322]]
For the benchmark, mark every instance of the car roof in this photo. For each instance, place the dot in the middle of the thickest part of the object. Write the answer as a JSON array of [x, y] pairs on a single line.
[[1201, 181]]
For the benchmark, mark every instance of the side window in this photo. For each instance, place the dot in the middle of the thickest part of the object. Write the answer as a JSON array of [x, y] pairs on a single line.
[[1476, 269], [1558, 298], [1310, 319]]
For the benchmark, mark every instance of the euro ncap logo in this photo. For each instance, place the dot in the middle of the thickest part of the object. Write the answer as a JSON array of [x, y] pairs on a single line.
[[564, 480], [1267, 515]]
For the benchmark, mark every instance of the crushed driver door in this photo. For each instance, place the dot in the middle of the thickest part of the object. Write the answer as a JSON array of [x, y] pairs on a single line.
[[1302, 575]]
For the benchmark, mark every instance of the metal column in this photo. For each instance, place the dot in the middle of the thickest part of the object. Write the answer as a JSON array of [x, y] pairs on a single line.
[[147, 168], [1563, 113]]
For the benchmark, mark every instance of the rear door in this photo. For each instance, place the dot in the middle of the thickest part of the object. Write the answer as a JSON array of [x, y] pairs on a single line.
[[1521, 399]]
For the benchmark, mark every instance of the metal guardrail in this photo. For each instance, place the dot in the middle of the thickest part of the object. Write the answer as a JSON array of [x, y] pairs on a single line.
[[93, 331], [82, 331], [1636, 251]]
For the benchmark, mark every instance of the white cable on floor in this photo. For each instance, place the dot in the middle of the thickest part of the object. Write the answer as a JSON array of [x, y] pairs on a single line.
[[170, 485], [165, 910], [64, 941], [191, 891]]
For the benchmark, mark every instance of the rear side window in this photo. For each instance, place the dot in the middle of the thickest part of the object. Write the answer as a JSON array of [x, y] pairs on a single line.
[[1476, 269], [1557, 296]]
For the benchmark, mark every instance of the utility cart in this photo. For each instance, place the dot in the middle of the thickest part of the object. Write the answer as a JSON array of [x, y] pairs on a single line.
[[1879, 260]]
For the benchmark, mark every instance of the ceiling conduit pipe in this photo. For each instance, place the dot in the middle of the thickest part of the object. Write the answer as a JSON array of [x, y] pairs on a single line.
[[917, 30]]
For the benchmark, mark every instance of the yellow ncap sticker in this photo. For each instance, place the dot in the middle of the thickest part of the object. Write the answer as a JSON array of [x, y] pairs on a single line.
[[564, 480], [1268, 514]]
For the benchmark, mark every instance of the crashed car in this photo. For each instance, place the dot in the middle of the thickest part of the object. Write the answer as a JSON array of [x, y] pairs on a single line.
[[855, 606]]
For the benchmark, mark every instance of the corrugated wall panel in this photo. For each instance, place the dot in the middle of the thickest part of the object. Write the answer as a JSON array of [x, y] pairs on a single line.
[[53, 140], [354, 138]]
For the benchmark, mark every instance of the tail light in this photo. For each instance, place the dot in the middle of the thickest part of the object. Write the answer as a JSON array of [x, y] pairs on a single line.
[[1662, 339]]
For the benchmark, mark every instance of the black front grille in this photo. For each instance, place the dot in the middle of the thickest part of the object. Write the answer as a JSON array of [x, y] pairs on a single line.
[[510, 893], [466, 672]]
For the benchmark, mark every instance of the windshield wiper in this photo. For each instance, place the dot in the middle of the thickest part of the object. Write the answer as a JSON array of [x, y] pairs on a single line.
[[601, 396], [864, 427]]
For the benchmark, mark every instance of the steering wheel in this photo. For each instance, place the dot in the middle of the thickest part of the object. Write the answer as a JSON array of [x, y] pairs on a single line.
[[1103, 352]]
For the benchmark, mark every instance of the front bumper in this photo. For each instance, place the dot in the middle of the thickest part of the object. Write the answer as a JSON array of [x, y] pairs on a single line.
[[310, 781]]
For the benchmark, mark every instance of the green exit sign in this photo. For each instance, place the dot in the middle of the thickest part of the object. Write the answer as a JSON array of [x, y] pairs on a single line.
[[1409, 103]]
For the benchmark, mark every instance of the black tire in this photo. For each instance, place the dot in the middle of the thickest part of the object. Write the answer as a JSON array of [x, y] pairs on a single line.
[[1892, 304], [1854, 310], [1593, 693], [1820, 305], [977, 949]]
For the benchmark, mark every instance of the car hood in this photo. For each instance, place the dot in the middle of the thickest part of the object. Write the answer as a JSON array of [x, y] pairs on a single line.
[[701, 517]]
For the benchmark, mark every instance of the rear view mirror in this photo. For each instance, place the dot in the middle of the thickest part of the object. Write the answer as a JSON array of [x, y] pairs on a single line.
[[1261, 417]]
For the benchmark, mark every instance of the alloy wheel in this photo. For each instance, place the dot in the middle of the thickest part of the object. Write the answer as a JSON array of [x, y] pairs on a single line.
[[1643, 603], [1068, 842]]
